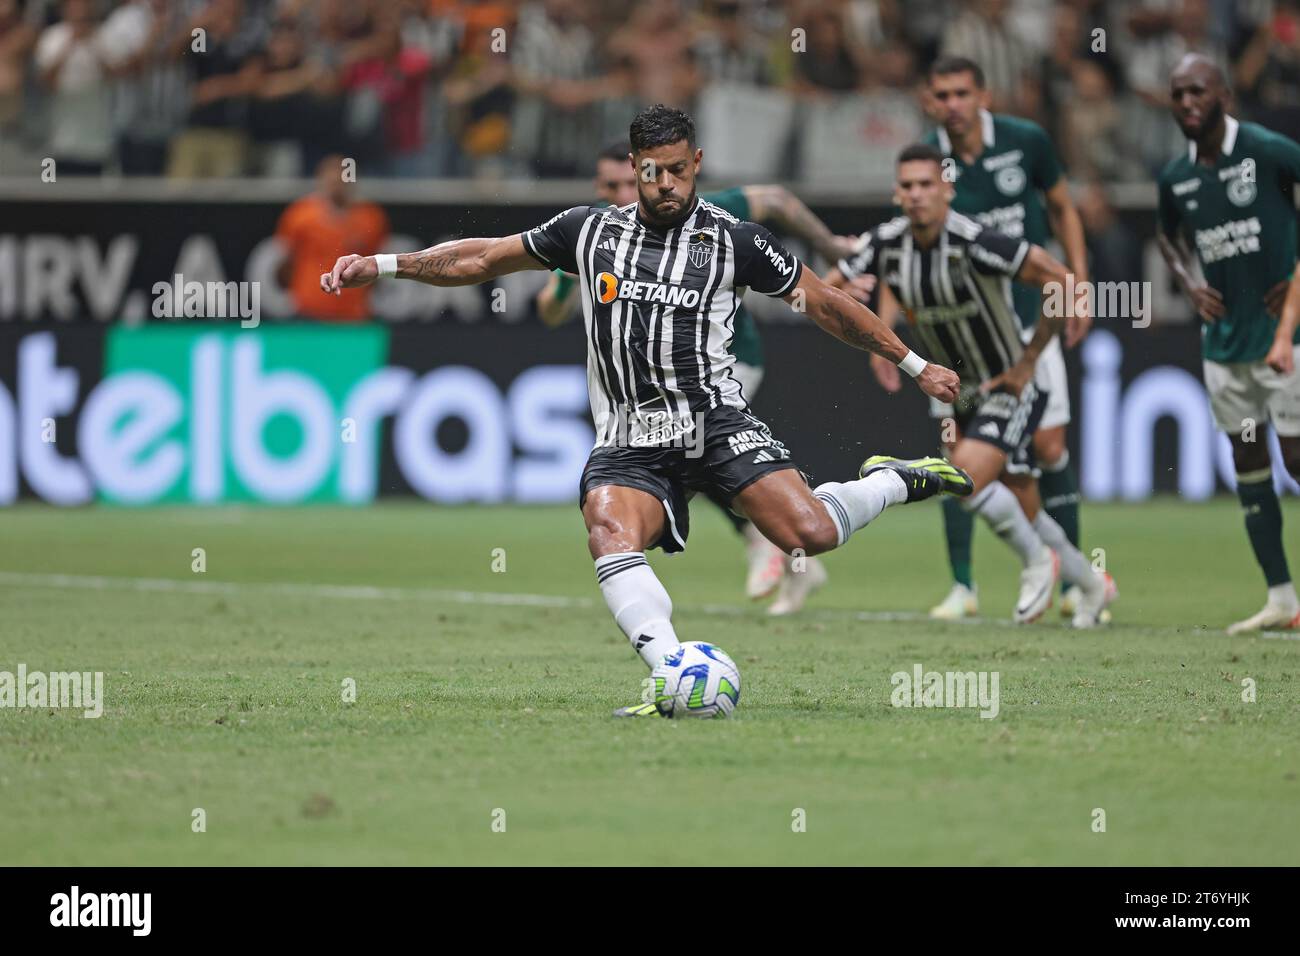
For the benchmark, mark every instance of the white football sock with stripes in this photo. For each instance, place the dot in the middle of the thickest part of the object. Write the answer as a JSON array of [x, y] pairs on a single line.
[[1075, 568], [853, 505], [639, 604], [1001, 509]]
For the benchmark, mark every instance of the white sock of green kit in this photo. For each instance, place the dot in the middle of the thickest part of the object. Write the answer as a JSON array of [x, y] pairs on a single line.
[[639, 604], [1000, 508], [1075, 568], [853, 505]]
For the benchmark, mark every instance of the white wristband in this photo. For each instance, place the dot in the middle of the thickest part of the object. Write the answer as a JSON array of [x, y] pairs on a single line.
[[912, 364], [387, 263]]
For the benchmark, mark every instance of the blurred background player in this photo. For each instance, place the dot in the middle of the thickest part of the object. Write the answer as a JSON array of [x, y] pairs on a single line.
[[951, 276], [317, 229], [1232, 192], [1007, 177], [775, 206]]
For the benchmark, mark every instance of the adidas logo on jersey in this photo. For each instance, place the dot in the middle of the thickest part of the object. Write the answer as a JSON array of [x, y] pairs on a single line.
[[989, 429], [609, 245]]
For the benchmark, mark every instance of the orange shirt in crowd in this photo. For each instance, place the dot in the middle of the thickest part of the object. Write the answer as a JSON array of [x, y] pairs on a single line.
[[314, 234]]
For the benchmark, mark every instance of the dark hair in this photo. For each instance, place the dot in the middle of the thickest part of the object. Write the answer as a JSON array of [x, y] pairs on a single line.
[[615, 151], [948, 65], [920, 151], [661, 125]]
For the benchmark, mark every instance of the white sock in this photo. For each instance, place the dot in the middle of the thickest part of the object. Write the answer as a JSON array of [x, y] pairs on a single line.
[[853, 505], [1000, 508], [1283, 595], [1075, 568], [639, 603]]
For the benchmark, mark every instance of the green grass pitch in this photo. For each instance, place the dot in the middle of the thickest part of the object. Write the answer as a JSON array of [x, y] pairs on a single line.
[[476, 704]]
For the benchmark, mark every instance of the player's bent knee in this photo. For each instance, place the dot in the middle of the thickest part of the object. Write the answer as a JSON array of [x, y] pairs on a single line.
[[607, 534], [813, 534]]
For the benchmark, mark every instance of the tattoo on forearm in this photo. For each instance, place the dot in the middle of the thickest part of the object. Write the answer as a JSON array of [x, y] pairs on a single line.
[[434, 265], [854, 334]]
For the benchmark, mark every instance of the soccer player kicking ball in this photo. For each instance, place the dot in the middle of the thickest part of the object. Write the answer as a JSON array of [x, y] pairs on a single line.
[[660, 281], [769, 569], [952, 276], [1232, 194]]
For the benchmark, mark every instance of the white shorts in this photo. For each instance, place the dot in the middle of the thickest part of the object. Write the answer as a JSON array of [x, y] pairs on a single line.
[[1049, 375], [1244, 392]]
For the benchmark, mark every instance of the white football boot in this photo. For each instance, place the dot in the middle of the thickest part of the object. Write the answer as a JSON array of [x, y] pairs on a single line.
[[961, 602], [1091, 606], [1274, 617], [766, 564], [1037, 585], [797, 586]]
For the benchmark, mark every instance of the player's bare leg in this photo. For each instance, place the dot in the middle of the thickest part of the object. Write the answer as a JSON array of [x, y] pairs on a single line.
[[1264, 528], [803, 522]]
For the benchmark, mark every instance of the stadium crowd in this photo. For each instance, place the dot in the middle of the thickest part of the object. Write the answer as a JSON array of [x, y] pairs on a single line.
[[199, 88]]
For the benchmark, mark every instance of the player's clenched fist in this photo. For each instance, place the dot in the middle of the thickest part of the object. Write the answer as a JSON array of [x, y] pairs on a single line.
[[939, 382], [349, 272]]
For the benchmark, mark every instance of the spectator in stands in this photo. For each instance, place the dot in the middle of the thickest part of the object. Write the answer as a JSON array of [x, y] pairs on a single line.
[[828, 63], [984, 33], [1268, 73], [654, 57], [151, 92], [317, 229], [730, 48], [224, 74], [1094, 130], [557, 80], [17, 38], [294, 112], [73, 65]]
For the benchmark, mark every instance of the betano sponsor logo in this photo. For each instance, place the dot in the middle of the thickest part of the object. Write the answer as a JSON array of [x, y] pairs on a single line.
[[610, 288]]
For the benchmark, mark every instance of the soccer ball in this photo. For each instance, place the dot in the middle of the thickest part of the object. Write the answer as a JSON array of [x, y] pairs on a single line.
[[697, 680]]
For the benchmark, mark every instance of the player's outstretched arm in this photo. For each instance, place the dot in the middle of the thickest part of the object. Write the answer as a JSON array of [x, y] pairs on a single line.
[[1067, 226], [851, 322], [774, 205], [459, 262]]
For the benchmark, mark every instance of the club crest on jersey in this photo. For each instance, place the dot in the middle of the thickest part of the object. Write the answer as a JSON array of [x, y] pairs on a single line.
[[610, 288], [1010, 180], [701, 249]]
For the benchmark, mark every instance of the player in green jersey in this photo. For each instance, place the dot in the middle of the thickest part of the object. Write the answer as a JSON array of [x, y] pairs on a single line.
[[1007, 178], [1228, 231], [769, 569]]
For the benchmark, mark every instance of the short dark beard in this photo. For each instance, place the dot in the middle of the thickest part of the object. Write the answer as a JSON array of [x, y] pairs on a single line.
[[1212, 121], [649, 216]]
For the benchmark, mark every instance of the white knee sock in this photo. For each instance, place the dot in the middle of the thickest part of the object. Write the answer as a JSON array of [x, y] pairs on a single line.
[[1000, 508], [854, 504], [639, 603], [1075, 568]]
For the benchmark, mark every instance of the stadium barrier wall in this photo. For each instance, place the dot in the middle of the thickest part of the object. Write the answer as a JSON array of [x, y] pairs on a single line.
[[457, 395]]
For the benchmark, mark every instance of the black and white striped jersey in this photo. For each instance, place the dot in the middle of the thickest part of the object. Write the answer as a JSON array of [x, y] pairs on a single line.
[[659, 306], [956, 294]]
